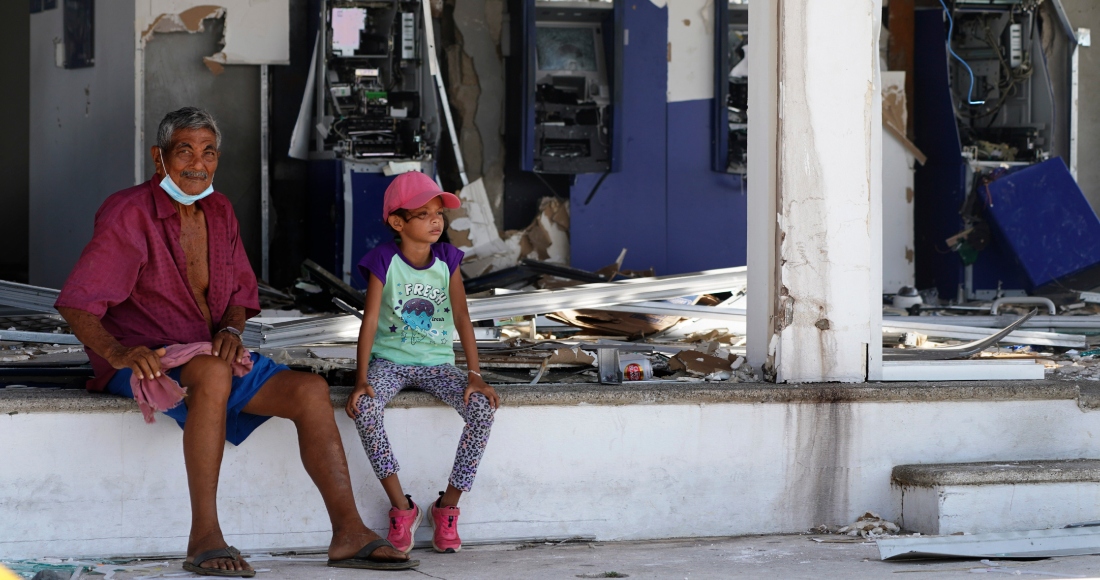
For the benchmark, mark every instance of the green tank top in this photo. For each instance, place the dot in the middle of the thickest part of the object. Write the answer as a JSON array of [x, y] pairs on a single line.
[[415, 321]]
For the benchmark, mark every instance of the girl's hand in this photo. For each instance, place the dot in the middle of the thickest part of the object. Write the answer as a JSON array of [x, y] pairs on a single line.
[[351, 407], [478, 385]]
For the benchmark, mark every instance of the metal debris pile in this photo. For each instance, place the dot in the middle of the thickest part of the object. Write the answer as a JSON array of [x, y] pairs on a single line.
[[535, 322], [1057, 331], [539, 322]]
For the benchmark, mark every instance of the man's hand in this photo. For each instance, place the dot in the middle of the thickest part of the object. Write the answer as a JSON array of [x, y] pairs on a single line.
[[361, 388], [478, 385], [228, 347], [143, 362]]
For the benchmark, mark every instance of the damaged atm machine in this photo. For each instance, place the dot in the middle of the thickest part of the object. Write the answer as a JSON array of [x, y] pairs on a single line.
[[566, 105], [997, 210], [372, 113]]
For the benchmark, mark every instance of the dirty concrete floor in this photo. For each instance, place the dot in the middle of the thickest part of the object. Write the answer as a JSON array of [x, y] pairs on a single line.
[[792, 556]]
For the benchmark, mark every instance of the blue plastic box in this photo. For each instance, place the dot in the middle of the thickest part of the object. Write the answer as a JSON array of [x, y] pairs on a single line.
[[1042, 215]]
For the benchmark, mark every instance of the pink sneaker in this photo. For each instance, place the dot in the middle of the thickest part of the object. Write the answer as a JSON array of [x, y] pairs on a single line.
[[445, 528], [403, 524]]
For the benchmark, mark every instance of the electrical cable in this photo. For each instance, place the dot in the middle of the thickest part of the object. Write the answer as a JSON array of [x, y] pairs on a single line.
[[951, 33], [1007, 87]]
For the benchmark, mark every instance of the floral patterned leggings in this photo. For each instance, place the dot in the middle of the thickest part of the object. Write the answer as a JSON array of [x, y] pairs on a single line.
[[447, 383]]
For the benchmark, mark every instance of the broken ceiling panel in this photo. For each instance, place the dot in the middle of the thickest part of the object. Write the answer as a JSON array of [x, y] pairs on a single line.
[[256, 31]]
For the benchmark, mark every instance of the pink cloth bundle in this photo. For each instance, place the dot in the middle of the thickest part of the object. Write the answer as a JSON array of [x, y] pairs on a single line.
[[162, 393]]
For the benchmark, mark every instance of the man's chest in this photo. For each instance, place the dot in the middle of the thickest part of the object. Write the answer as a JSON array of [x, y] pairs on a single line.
[[194, 240]]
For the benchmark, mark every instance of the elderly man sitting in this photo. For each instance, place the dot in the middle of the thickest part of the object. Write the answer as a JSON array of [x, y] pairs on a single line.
[[165, 266]]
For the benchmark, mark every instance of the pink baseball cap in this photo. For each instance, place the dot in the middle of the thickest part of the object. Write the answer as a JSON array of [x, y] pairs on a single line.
[[412, 190]]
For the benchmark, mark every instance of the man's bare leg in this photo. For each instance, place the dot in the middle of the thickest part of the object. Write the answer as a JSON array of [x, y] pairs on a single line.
[[304, 399], [208, 380]]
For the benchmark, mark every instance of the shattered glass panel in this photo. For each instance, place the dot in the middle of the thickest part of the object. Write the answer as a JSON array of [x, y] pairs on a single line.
[[566, 49]]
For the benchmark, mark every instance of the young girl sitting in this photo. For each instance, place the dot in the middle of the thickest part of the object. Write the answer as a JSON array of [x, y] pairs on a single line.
[[415, 303]]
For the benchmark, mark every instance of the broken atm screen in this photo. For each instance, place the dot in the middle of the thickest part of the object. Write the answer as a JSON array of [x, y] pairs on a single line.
[[566, 49], [347, 23]]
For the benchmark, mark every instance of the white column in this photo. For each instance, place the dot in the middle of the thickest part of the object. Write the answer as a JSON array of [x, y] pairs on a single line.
[[763, 55], [822, 265]]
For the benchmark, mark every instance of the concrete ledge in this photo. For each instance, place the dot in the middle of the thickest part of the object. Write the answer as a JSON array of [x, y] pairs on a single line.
[[775, 458], [14, 401], [1089, 399], [998, 473]]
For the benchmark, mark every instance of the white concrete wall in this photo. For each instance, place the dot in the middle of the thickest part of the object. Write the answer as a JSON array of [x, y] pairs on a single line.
[[826, 122], [898, 166], [97, 484], [978, 509], [761, 202], [81, 136], [898, 267], [1086, 14], [690, 50]]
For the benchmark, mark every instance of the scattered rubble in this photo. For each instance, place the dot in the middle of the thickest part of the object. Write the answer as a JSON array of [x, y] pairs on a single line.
[[869, 525]]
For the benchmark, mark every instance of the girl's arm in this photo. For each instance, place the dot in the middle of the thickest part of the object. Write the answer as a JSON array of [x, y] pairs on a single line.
[[366, 342], [465, 330]]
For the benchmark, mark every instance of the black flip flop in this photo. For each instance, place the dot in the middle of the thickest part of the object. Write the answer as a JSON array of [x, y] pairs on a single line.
[[195, 566], [362, 560]]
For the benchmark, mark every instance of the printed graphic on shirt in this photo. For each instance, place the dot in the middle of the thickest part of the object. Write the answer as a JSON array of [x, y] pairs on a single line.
[[418, 310], [415, 321]]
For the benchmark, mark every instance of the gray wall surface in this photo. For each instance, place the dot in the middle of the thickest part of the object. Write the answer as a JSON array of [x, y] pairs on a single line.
[[81, 135], [1086, 14], [14, 163], [176, 77]]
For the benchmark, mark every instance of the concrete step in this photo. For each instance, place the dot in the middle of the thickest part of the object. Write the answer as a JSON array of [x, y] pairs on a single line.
[[997, 496]]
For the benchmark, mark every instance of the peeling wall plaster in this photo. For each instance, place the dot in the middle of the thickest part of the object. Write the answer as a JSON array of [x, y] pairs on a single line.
[[256, 31], [476, 85], [189, 20], [823, 237]]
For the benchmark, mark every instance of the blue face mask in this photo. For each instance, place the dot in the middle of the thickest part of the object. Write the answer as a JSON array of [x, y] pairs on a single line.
[[176, 193]]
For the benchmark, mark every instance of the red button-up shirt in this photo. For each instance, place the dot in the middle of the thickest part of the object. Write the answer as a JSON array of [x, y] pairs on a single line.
[[133, 274]]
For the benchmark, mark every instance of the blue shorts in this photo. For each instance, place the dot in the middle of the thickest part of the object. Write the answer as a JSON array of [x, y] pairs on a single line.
[[238, 425]]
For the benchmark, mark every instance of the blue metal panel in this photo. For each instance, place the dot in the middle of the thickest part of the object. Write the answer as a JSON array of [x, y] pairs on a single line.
[[721, 114], [629, 209], [941, 182], [937, 133], [707, 225], [527, 98], [1043, 216], [368, 191], [614, 60], [326, 213], [939, 192]]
